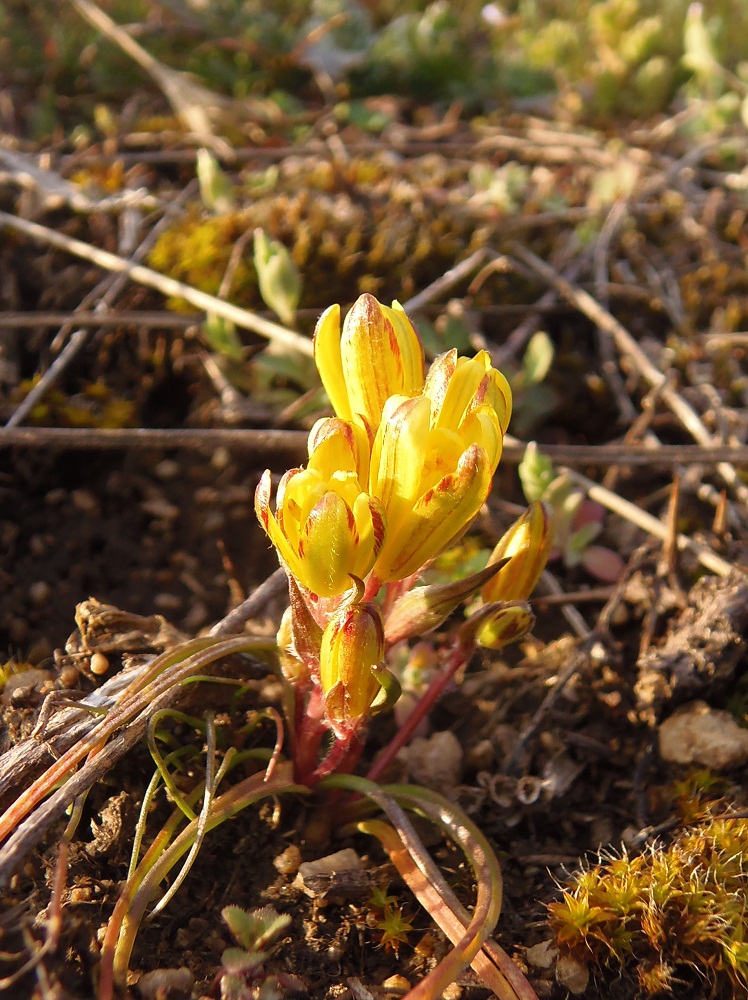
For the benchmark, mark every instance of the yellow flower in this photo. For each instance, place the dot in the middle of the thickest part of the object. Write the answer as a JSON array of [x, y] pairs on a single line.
[[378, 355], [352, 644], [527, 545], [433, 459], [325, 527]]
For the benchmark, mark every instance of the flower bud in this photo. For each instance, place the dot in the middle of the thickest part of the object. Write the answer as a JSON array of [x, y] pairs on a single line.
[[425, 608], [526, 547], [496, 625], [378, 355], [505, 625], [352, 643]]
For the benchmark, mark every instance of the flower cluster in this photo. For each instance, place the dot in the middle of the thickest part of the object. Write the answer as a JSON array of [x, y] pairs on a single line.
[[392, 479]]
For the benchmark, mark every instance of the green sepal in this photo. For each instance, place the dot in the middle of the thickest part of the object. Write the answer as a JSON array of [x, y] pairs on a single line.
[[389, 689]]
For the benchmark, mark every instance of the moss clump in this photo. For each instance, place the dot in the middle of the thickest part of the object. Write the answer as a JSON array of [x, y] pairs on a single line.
[[668, 916], [378, 223], [95, 406]]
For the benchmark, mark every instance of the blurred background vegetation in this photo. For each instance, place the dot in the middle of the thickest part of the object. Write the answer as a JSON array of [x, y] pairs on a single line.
[[589, 59]]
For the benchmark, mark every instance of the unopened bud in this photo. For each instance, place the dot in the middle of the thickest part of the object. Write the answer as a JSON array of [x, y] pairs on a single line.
[[425, 608], [525, 547], [497, 625], [352, 643]]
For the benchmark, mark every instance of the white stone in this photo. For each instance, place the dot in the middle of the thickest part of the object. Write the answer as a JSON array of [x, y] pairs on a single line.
[[699, 734]]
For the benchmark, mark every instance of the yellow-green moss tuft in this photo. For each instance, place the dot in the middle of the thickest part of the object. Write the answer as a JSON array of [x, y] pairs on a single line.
[[666, 916]]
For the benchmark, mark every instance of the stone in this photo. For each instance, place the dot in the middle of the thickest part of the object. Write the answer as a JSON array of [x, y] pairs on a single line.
[[699, 734]]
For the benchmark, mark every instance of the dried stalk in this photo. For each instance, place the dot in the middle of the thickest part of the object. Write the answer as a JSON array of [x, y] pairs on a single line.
[[161, 283]]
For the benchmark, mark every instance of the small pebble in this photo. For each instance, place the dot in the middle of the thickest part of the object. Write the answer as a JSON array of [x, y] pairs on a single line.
[[572, 974], [80, 894], [168, 469], [341, 861], [288, 861], [167, 602], [396, 984], [206, 496], [99, 664], [69, 677], [699, 734], [37, 545], [214, 521], [542, 955], [85, 501], [55, 497], [161, 509], [161, 984], [221, 459], [435, 762]]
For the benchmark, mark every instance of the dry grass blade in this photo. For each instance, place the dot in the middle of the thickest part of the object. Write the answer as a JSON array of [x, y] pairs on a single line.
[[193, 103], [628, 346], [161, 283], [27, 818], [624, 508]]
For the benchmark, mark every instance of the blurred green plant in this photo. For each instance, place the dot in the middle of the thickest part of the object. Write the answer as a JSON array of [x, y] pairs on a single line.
[[242, 975], [578, 521], [216, 190], [602, 57], [278, 276]]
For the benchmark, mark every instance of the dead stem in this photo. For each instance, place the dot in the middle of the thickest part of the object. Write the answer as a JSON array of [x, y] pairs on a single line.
[[243, 318], [631, 349]]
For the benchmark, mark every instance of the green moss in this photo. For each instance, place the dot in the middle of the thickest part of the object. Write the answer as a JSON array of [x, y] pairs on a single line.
[[667, 916]]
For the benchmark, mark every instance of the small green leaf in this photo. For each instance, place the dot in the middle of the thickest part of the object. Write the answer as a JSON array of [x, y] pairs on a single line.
[[535, 473], [255, 929], [278, 276], [236, 960], [538, 358], [216, 190], [389, 689], [222, 337], [581, 538]]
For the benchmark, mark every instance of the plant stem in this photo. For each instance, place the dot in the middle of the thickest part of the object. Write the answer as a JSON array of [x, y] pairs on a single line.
[[341, 758], [309, 730], [457, 658]]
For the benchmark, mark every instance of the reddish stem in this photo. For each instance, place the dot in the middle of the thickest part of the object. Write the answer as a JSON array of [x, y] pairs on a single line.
[[341, 758], [307, 736], [457, 658]]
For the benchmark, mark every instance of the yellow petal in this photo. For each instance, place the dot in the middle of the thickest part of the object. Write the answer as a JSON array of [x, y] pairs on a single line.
[[336, 444], [266, 518], [381, 357], [397, 455], [411, 349], [327, 546], [328, 360], [368, 513], [436, 517], [458, 386]]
